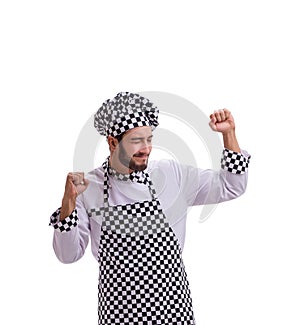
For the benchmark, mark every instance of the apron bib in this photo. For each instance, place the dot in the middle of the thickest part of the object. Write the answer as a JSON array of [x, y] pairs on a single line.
[[142, 279]]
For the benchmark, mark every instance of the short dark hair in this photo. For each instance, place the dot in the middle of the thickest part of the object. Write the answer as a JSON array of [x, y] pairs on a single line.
[[120, 137]]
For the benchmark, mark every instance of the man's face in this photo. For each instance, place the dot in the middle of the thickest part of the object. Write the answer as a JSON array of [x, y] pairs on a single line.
[[135, 148]]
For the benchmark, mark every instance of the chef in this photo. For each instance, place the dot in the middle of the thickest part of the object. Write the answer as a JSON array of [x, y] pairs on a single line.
[[136, 222]]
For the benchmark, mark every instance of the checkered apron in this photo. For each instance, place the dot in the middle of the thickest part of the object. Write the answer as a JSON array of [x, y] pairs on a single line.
[[142, 279]]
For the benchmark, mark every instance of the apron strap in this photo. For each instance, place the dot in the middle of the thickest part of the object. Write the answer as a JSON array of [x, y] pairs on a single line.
[[151, 187], [105, 188]]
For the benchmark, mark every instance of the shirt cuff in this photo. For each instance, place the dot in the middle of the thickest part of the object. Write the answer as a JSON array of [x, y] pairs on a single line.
[[65, 225], [234, 162]]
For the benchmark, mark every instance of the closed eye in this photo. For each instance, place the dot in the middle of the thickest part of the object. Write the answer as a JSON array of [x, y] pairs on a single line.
[[138, 140]]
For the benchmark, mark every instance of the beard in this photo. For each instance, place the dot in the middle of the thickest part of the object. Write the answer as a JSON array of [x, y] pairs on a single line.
[[129, 162]]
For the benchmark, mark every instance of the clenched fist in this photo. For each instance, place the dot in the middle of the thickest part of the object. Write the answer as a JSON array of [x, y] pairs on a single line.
[[75, 185], [76, 182], [222, 121]]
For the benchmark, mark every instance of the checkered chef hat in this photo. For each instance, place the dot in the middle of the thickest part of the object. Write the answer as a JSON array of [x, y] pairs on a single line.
[[124, 112]]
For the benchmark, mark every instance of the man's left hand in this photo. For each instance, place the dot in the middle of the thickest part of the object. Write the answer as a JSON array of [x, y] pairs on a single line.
[[222, 121]]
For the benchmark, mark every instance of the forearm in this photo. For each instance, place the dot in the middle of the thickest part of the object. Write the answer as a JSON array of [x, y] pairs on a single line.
[[230, 141], [71, 233], [68, 205]]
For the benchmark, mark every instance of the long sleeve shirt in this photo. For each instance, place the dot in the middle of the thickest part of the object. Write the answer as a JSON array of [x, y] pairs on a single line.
[[177, 186]]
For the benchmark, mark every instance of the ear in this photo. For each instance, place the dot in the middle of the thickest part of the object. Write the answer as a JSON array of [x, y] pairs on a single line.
[[112, 143]]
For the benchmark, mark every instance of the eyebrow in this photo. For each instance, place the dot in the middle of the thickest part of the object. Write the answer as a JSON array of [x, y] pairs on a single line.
[[141, 138]]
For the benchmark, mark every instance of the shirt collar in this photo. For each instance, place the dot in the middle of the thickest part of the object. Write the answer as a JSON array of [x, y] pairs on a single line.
[[135, 176]]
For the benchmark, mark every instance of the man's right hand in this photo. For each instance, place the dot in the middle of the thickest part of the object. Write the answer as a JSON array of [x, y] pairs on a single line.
[[75, 185]]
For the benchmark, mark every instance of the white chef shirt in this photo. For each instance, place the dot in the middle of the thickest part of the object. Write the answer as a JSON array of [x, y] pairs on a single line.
[[177, 187]]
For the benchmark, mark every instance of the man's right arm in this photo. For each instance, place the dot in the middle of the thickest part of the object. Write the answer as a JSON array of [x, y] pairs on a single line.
[[71, 222]]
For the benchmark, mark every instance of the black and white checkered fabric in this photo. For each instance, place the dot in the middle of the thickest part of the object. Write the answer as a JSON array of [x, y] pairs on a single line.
[[124, 112], [234, 162], [146, 214], [142, 279], [135, 176], [65, 225]]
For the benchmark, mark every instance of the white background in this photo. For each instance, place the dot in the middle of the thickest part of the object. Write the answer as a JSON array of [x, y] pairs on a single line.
[[61, 59]]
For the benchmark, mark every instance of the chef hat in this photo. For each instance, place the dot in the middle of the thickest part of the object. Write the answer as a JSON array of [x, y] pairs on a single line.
[[124, 112]]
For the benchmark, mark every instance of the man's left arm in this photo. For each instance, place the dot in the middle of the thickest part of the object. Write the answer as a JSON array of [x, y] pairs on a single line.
[[206, 186]]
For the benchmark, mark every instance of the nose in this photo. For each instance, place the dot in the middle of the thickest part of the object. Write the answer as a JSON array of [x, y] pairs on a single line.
[[145, 148]]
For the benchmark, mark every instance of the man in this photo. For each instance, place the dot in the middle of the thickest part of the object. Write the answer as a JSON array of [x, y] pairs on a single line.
[[136, 226]]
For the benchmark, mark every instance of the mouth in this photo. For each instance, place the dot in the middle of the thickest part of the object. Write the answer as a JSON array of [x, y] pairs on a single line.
[[141, 156]]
